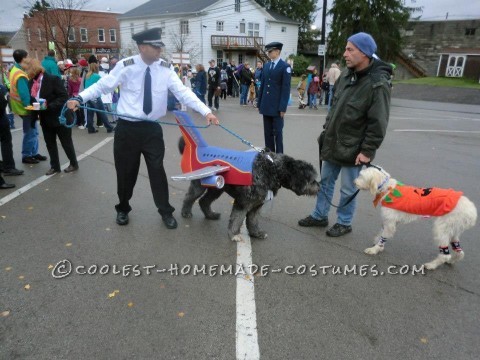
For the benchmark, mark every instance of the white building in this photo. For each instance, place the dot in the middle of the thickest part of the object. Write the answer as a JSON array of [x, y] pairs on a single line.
[[223, 30]]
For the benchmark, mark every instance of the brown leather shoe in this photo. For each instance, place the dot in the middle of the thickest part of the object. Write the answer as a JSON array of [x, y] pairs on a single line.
[[71, 168]]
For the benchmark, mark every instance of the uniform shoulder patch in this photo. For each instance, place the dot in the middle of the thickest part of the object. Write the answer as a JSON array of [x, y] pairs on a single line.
[[164, 63], [128, 62], [289, 69]]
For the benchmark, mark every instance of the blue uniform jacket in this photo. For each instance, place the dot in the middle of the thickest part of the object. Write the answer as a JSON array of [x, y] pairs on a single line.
[[274, 90]]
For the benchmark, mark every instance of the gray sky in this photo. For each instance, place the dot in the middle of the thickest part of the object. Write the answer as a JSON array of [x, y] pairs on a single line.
[[11, 10]]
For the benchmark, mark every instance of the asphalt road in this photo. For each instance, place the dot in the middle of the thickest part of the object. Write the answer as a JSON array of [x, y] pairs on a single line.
[[168, 316]]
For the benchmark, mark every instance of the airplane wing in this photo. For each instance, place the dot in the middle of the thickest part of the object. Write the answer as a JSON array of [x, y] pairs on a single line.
[[201, 173]]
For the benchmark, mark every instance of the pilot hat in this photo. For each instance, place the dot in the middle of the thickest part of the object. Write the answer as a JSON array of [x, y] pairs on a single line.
[[150, 37]]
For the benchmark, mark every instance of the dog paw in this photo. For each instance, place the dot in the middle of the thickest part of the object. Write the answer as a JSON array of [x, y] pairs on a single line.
[[374, 250], [237, 238], [432, 265], [212, 216], [456, 256], [259, 235], [186, 214]]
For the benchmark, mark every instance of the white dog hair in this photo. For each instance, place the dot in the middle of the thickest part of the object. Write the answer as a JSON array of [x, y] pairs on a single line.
[[446, 229]]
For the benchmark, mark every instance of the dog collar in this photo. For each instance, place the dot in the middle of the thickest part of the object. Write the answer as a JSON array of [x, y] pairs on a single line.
[[380, 196], [383, 182]]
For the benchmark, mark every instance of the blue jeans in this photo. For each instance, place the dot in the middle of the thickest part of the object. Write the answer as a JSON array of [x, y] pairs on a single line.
[[313, 100], [330, 97], [330, 172], [11, 120], [97, 104], [30, 137], [243, 94]]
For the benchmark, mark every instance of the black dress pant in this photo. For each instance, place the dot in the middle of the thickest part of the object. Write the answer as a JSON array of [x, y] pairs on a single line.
[[273, 133], [133, 139], [6, 146], [65, 136]]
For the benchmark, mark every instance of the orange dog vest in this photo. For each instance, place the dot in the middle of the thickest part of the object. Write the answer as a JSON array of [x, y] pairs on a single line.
[[422, 201]]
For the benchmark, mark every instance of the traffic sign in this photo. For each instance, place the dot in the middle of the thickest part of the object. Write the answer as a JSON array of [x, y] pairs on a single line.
[[322, 48]]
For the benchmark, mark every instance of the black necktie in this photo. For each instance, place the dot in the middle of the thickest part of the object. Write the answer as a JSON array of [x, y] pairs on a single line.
[[271, 66], [147, 93]]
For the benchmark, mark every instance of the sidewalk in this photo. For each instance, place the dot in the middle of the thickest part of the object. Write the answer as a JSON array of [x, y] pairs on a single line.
[[434, 105]]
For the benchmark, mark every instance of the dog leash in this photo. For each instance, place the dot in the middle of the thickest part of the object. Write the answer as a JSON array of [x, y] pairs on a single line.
[[70, 124], [353, 195]]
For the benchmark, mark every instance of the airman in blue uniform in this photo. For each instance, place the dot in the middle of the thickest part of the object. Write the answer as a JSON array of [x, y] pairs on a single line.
[[273, 96]]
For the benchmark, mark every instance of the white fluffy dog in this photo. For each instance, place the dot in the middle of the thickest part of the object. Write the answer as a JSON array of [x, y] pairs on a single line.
[[403, 204]]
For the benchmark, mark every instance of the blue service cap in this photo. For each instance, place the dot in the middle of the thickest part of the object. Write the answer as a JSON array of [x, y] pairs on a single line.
[[273, 46]]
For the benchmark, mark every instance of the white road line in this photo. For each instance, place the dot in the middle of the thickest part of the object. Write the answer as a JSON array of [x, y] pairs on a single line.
[[246, 336], [43, 178], [438, 131]]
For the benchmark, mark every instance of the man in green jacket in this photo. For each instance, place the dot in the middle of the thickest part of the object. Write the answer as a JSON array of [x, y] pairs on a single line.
[[20, 97], [354, 129], [50, 64]]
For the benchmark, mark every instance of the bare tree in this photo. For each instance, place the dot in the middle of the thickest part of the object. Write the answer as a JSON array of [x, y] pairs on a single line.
[[59, 19], [183, 44]]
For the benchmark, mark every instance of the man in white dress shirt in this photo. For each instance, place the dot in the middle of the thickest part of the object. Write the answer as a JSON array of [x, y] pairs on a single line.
[[145, 80]]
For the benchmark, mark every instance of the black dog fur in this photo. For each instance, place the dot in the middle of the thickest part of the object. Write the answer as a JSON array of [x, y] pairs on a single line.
[[284, 171]]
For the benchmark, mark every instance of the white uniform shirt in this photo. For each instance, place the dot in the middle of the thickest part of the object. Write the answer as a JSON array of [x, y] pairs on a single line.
[[130, 75]]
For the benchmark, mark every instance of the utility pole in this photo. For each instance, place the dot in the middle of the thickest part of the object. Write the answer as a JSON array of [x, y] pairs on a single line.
[[322, 39]]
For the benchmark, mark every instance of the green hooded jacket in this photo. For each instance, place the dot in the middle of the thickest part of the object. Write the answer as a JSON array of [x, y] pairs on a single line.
[[358, 119]]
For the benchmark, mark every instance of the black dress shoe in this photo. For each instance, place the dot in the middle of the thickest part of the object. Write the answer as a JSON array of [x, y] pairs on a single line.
[[51, 172], [122, 218], [71, 168], [30, 160], [7, 186], [40, 157], [12, 172], [169, 221]]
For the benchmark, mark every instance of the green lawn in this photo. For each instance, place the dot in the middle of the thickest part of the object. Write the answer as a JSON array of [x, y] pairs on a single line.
[[442, 81], [294, 82]]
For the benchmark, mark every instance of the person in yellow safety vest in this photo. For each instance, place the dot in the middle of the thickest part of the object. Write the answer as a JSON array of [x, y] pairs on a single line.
[[19, 99]]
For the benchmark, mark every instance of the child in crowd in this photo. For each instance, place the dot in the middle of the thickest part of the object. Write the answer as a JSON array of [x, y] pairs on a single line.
[[313, 90]]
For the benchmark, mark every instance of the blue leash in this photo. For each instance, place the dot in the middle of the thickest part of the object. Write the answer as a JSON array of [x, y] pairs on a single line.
[[70, 124]]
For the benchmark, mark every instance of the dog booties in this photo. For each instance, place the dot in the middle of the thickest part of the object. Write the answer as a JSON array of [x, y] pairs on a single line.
[[422, 201]]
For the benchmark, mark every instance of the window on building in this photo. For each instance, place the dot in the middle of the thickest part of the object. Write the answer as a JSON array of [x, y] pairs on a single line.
[[132, 29], [253, 29], [284, 29], [242, 28], [54, 32], [219, 25], [28, 35], [184, 27], [39, 34], [240, 58], [83, 35], [113, 35], [219, 58], [71, 34], [101, 35], [237, 5], [145, 25], [469, 31]]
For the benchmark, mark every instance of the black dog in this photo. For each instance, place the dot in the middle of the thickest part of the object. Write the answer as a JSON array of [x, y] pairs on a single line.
[[270, 172]]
